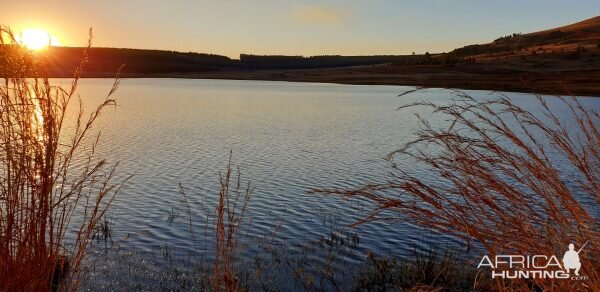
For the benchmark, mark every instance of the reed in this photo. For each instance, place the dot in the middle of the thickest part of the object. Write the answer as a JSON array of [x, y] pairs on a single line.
[[53, 187], [230, 210], [225, 219], [502, 177]]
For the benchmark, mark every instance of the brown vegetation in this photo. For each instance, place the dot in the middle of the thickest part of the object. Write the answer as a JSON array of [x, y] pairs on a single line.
[[229, 215], [53, 189], [225, 219], [502, 178]]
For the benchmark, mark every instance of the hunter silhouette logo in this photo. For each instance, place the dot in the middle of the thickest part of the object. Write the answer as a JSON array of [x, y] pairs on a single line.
[[535, 266], [571, 259]]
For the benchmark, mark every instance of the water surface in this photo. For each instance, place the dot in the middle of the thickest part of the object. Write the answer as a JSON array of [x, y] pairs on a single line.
[[286, 138]]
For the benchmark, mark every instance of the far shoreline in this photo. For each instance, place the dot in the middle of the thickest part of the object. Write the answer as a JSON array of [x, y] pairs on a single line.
[[579, 83]]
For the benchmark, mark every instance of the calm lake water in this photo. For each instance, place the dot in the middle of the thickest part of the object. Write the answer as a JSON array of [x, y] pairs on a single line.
[[286, 138]]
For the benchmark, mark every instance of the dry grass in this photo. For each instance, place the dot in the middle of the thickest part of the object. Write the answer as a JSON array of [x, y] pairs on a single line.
[[52, 185], [431, 270], [508, 179], [233, 201], [225, 219]]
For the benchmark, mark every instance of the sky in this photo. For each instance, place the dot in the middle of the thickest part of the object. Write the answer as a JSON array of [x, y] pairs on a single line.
[[350, 27]]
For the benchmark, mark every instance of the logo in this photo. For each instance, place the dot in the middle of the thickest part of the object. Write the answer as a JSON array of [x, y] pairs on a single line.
[[571, 259], [535, 266]]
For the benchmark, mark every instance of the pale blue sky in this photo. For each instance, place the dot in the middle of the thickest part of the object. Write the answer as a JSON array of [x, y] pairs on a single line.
[[352, 27]]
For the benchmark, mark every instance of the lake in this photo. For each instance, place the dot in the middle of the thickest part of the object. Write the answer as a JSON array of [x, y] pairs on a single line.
[[286, 138]]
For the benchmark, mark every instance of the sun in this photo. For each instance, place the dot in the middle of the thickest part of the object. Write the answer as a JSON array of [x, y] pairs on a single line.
[[37, 39]]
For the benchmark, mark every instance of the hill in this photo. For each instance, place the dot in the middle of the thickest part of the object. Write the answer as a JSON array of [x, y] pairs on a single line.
[[581, 35], [562, 60], [105, 61]]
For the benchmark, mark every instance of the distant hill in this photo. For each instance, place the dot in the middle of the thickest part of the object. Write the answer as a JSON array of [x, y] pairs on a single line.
[[565, 59], [580, 34], [105, 61], [591, 25], [313, 62]]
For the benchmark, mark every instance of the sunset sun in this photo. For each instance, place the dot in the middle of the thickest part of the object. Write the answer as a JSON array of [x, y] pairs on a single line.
[[36, 39]]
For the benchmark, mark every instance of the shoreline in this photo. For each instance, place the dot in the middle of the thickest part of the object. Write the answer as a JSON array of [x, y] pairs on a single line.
[[579, 83]]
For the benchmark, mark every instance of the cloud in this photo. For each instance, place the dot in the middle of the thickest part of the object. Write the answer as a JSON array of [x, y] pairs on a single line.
[[319, 14]]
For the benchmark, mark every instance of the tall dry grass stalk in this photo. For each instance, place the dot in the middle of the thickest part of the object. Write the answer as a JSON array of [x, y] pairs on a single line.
[[52, 185], [511, 180], [226, 219], [230, 210]]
